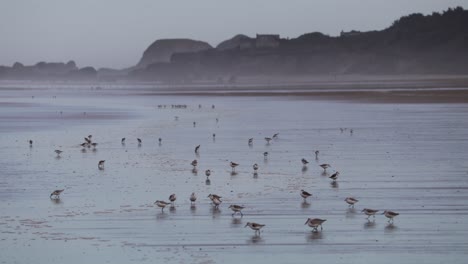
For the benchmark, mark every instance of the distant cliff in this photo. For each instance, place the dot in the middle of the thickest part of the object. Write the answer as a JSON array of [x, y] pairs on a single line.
[[414, 44], [162, 50]]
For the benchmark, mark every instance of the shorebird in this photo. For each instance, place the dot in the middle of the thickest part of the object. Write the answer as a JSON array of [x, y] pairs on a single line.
[[325, 166], [315, 223], [390, 215], [304, 162], [30, 142], [334, 176], [369, 212], [160, 140], [236, 209], [268, 139], [214, 135], [172, 198], [87, 140], [58, 151], [194, 163], [316, 154], [216, 202], [56, 193], [254, 226], [122, 141], [194, 124], [250, 141], [351, 201], [233, 165], [275, 135], [101, 164], [265, 154], [214, 196], [90, 136], [161, 204], [193, 198], [196, 148], [305, 194], [83, 144], [351, 131], [207, 173], [255, 167], [139, 141]]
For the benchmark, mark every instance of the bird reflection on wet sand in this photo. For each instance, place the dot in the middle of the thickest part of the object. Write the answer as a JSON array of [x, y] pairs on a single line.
[[236, 222], [314, 236], [369, 224], [208, 182], [334, 184], [255, 239], [390, 228], [350, 213], [305, 205]]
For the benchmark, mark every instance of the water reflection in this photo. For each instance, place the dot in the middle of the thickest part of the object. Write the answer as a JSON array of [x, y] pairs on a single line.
[[390, 228], [235, 222], [208, 182], [193, 208], [334, 184], [56, 200], [325, 173], [313, 236], [172, 209], [304, 169], [194, 171], [215, 212], [256, 239], [255, 175], [233, 173], [369, 224], [161, 216], [350, 213], [305, 205]]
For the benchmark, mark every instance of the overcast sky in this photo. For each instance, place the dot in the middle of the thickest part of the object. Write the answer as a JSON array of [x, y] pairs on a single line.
[[114, 33]]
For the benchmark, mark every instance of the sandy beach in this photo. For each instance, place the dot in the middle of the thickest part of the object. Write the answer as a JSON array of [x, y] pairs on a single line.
[[407, 153]]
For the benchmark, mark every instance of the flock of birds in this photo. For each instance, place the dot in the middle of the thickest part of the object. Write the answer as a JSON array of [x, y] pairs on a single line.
[[216, 201]]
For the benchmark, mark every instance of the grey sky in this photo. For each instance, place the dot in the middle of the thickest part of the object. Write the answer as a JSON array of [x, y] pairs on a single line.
[[114, 33]]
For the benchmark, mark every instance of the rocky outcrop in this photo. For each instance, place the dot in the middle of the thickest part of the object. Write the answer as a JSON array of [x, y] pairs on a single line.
[[162, 50]]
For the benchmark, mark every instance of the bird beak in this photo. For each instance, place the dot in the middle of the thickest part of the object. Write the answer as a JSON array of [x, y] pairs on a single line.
[[306, 222], [245, 225]]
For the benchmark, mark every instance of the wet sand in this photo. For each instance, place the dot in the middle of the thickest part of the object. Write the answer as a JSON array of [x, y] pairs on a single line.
[[406, 156]]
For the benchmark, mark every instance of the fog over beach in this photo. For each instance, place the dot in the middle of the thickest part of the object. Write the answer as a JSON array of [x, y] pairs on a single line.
[[91, 156]]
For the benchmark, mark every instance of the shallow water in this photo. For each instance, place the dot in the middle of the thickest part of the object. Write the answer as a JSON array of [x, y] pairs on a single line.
[[409, 158]]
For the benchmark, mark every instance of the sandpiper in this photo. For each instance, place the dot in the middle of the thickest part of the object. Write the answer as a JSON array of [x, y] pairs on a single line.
[[90, 136], [236, 209], [233, 165], [101, 164], [334, 176], [369, 212], [268, 139], [160, 140], [56, 193], [87, 140], [139, 141], [216, 202], [304, 162], [197, 148], [194, 124], [194, 163], [265, 154], [84, 144], [351, 201], [315, 223], [390, 215], [122, 141], [214, 135], [58, 151], [161, 204], [172, 198], [214, 196], [208, 173], [305, 194], [193, 198], [254, 226], [325, 166], [275, 135], [30, 142], [250, 141], [316, 154], [255, 167]]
